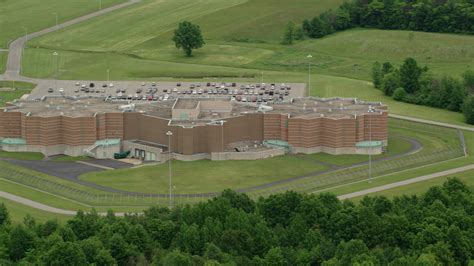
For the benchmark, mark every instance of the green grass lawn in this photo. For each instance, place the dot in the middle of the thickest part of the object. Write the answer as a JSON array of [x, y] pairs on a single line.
[[34, 15], [3, 61], [18, 212], [32, 156], [409, 173], [421, 187], [8, 168], [40, 196], [65, 158], [395, 146], [20, 89], [204, 176]]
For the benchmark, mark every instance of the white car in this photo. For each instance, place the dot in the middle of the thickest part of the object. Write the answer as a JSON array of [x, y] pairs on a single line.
[[143, 83], [61, 90], [77, 83], [175, 90], [111, 85]]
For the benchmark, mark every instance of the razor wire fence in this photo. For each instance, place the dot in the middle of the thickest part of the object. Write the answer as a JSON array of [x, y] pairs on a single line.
[[320, 182]]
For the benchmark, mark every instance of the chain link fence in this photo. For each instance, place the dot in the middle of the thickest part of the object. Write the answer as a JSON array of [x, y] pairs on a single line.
[[450, 150]]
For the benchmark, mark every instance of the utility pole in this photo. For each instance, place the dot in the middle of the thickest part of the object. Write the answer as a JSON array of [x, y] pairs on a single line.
[[169, 134], [309, 74]]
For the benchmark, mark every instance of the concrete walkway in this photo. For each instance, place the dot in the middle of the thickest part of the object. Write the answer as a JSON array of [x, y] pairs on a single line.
[[430, 122], [407, 182], [13, 68]]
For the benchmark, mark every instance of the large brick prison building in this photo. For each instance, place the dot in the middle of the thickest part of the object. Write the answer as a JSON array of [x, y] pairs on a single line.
[[199, 126]]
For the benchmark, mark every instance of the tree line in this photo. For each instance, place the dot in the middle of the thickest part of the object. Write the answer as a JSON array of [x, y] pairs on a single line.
[[414, 84], [436, 228], [454, 16]]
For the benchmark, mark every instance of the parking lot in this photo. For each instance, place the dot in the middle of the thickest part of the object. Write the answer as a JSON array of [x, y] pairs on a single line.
[[164, 91]]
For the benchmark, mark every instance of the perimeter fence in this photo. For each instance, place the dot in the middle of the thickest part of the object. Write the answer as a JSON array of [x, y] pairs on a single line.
[[452, 148]]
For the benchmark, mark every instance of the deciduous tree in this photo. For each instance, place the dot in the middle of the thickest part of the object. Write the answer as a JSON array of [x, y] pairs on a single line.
[[188, 36]]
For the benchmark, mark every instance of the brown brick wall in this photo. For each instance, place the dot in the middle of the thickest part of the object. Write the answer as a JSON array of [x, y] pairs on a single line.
[[114, 125], [328, 132], [299, 132], [10, 124]]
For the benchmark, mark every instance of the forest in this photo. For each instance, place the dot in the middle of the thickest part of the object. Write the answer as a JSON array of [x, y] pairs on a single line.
[[435, 228], [415, 84], [454, 16]]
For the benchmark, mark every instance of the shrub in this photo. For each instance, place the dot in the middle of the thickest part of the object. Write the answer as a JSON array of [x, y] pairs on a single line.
[[399, 94]]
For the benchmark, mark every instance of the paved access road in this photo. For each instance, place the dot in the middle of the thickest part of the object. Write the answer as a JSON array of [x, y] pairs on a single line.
[[43, 207], [431, 122], [16, 47], [407, 182]]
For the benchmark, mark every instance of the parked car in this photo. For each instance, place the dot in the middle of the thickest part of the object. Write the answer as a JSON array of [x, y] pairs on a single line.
[[50, 90]]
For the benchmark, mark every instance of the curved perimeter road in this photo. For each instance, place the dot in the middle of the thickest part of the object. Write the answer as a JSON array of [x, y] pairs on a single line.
[[13, 69], [46, 208]]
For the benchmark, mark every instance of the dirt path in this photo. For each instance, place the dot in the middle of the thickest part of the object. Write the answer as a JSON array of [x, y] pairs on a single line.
[[407, 182]]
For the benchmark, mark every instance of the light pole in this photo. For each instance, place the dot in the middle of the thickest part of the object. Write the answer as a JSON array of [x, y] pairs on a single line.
[[26, 33], [169, 134], [309, 73], [56, 55], [371, 111], [108, 77], [56, 15]]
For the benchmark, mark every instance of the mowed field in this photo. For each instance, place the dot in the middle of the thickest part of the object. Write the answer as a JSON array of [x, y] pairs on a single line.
[[3, 61], [242, 44], [34, 15]]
